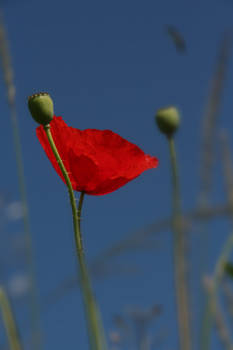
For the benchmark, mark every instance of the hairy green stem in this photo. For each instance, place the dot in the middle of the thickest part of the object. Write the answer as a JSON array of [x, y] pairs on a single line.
[[95, 328], [8, 319], [180, 265], [210, 308]]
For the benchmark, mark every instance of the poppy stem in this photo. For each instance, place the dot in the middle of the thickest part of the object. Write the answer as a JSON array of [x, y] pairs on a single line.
[[180, 265], [95, 328], [80, 205], [8, 319]]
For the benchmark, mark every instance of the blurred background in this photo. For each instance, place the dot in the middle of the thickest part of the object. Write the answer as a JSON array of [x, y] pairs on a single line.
[[111, 65]]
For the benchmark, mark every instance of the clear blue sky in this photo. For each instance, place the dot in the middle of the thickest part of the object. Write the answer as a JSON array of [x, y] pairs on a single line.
[[111, 65]]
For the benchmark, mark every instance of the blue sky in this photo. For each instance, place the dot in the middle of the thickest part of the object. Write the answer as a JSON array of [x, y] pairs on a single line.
[[111, 65]]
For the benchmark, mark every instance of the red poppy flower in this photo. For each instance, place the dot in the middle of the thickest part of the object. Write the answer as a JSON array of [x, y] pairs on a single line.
[[98, 161]]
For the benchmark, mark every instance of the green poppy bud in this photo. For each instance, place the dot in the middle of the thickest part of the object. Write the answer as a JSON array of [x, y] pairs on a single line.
[[168, 120], [41, 107]]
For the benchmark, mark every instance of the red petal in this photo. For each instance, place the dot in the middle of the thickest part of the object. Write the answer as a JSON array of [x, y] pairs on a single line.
[[98, 162]]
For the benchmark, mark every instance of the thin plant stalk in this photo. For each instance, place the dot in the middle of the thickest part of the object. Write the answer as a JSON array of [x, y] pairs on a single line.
[[9, 82], [180, 266], [9, 322], [137, 238], [211, 116], [211, 304], [209, 128], [121, 247], [95, 328], [210, 309], [224, 333]]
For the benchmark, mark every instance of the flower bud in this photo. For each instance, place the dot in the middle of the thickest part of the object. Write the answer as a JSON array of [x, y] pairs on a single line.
[[168, 120], [41, 107]]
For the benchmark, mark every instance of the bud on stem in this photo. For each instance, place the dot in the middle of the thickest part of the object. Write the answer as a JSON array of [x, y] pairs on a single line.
[[168, 120], [41, 107]]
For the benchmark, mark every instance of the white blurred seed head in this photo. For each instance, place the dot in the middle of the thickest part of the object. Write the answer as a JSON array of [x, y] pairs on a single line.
[[19, 285], [14, 211]]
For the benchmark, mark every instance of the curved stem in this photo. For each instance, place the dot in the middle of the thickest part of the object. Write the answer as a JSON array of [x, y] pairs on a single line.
[[96, 333], [180, 264], [8, 319], [210, 308], [80, 205]]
